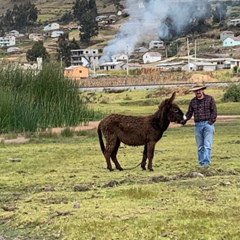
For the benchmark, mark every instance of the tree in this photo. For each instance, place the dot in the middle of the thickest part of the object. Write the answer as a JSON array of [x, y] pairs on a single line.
[[20, 16], [64, 48], [85, 11], [37, 50], [220, 12]]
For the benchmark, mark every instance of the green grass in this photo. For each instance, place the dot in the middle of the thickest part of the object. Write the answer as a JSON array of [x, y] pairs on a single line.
[[139, 205], [141, 102], [57, 173]]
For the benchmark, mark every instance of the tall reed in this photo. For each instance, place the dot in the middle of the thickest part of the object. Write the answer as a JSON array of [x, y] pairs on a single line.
[[30, 100]]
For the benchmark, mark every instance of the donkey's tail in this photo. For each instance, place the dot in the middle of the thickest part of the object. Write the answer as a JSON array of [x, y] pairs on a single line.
[[100, 139]]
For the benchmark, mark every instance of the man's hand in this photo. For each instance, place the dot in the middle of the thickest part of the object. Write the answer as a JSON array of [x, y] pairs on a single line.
[[183, 122]]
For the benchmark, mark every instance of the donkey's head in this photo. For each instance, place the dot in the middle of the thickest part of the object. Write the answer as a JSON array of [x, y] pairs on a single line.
[[174, 113]]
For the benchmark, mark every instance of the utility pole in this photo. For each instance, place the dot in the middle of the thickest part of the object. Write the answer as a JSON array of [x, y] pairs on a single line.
[[61, 60], [127, 60], [195, 54], [188, 54]]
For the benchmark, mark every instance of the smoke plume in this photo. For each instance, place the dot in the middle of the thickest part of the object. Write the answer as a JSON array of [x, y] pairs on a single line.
[[147, 21]]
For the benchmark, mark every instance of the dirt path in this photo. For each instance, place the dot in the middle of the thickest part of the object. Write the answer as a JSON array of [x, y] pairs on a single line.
[[94, 124]]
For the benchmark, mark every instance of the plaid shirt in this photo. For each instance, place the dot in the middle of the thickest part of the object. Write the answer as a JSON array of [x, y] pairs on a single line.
[[204, 109]]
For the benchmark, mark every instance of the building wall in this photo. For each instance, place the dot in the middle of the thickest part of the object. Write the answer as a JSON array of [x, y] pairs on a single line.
[[149, 59], [156, 44], [7, 41], [225, 35], [77, 72], [91, 55], [229, 42]]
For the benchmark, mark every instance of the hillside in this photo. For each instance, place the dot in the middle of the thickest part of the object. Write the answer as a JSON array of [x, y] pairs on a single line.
[[51, 10], [208, 43]]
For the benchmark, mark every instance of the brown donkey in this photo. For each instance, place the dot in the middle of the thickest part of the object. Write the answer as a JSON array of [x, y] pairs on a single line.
[[136, 131]]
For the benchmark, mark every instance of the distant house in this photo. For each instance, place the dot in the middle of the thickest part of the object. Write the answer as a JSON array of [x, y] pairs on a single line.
[[233, 22], [171, 65], [13, 49], [36, 37], [156, 44], [51, 26], [226, 34], [85, 57], [7, 41], [150, 57], [32, 66], [234, 62], [220, 62], [231, 41], [119, 56], [14, 33], [100, 18], [131, 66], [55, 34], [200, 66], [76, 72], [141, 50], [108, 66]]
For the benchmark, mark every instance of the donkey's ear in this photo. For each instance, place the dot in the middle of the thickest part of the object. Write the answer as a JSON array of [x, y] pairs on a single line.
[[171, 99]]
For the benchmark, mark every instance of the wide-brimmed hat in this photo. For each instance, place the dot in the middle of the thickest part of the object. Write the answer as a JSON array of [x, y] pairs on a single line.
[[198, 87]]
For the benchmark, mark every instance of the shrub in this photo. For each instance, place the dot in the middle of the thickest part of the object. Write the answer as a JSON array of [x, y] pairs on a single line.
[[29, 101], [67, 132], [232, 94], [235, 69]]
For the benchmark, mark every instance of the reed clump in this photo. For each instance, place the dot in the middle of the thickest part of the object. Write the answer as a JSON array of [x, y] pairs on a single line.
[[31, 100]]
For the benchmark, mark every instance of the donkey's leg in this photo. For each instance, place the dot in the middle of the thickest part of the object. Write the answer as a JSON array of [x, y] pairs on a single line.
[[150, 154], [144, 158], [114, 155], [110, 145]]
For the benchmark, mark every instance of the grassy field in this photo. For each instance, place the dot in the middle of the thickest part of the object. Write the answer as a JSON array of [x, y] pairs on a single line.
[[61, 188], [139, 102]]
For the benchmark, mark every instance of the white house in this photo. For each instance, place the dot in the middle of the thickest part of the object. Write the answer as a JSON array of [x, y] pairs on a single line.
[[13, 49], [233, 22], [51, 26], [36, 37], [156, 44], [226, 34], [141, 50], [231, 41], [32, 66], [55, 34], [108, 66], [7, 41], [200, 66], [14, 33], [119, 56], [131, 66], [234, 62], [150, 57], [171, 65], [85, 57]]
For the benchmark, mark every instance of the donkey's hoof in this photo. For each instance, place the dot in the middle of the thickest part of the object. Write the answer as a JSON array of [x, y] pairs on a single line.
[[151, 170], [143, 168], [110, 169]]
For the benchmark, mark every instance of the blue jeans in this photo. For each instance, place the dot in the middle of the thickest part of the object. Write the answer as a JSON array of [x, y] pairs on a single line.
[[204, 138]]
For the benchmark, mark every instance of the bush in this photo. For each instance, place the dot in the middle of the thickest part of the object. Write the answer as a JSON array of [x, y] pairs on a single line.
[[235, 69], [30, 101], [232, 94]]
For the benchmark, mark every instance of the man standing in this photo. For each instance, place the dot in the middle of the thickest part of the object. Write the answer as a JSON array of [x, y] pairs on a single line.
[[204, 109]]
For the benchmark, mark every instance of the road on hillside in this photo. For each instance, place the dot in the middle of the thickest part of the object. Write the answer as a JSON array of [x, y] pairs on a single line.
[[152, 86]]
